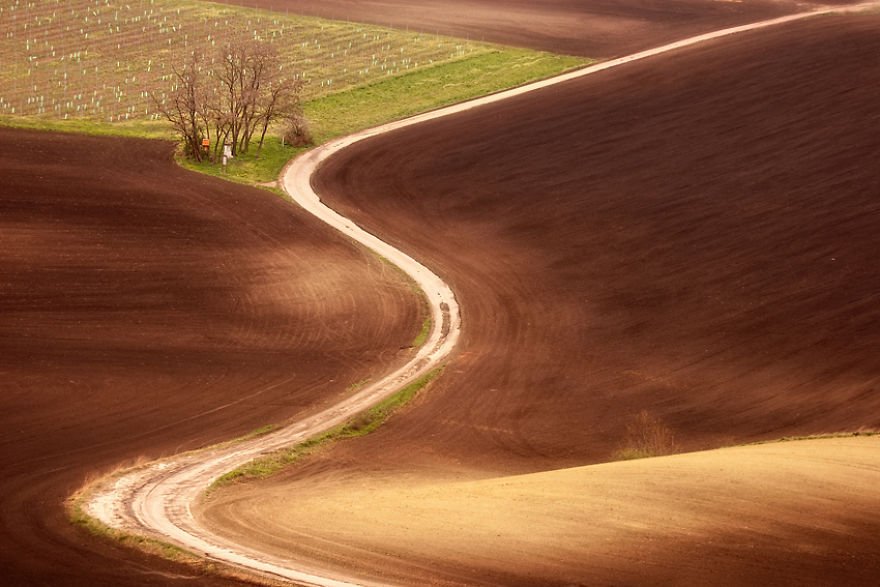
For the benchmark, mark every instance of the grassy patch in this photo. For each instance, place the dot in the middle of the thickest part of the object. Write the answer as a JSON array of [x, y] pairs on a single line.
[[261, 431], [158, 547], [144, 129], [253, 167], [376, 416], [360, 425], [97, 528], [420, 91], [423, 334]]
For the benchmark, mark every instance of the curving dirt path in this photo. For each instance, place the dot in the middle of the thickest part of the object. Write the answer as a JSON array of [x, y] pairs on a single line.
[[692, 235], [161, 495], [157, 498], [698, 239], [146, 310]]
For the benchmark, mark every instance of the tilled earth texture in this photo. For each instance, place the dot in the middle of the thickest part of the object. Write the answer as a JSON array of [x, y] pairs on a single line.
[[694, 235], [592, 28], [146, 310]]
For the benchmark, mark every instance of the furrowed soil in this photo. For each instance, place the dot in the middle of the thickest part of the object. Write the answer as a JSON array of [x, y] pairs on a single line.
[[694, 235], [146, 310], [592, 28]]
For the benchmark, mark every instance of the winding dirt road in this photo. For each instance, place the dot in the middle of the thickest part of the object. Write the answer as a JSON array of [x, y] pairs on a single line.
[[145, 311], [694, 235], [158, 498]]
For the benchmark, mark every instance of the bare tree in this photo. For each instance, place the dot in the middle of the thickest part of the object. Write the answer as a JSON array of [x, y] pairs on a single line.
[[183, 106], [230, 99], [280, 101], [244, 96], [252, 90]]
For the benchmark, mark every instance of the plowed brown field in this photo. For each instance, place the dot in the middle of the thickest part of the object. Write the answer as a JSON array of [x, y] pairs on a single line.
[[146, 310], [695, 235], [593, 28]]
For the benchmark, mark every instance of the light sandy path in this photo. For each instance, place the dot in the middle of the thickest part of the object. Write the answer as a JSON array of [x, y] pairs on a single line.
[[156, 499]]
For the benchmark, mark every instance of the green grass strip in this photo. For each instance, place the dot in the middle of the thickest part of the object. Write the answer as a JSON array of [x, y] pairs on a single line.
[[360, 425], [160, 548], [139, 129], [346, 112], [251, 168], [428, 89], [423, 334], [97, 528]]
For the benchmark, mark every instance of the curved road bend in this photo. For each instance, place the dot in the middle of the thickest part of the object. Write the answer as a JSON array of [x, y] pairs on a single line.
[[156, 499]]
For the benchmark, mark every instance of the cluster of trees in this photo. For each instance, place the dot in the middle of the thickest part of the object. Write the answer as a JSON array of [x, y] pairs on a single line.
[[235, 101]]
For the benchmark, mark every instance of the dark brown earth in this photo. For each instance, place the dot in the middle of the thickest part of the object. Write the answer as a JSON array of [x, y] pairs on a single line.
[[146, 310], [695, 235], [593, 28], [710, 255]]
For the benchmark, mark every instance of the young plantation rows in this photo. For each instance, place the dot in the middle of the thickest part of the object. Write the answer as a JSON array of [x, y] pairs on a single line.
[[102, 59]]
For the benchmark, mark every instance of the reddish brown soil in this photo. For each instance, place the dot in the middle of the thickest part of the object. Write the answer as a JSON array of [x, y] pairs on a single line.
[[594, 28], [146, 310], [694, 235], [713, 263]]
